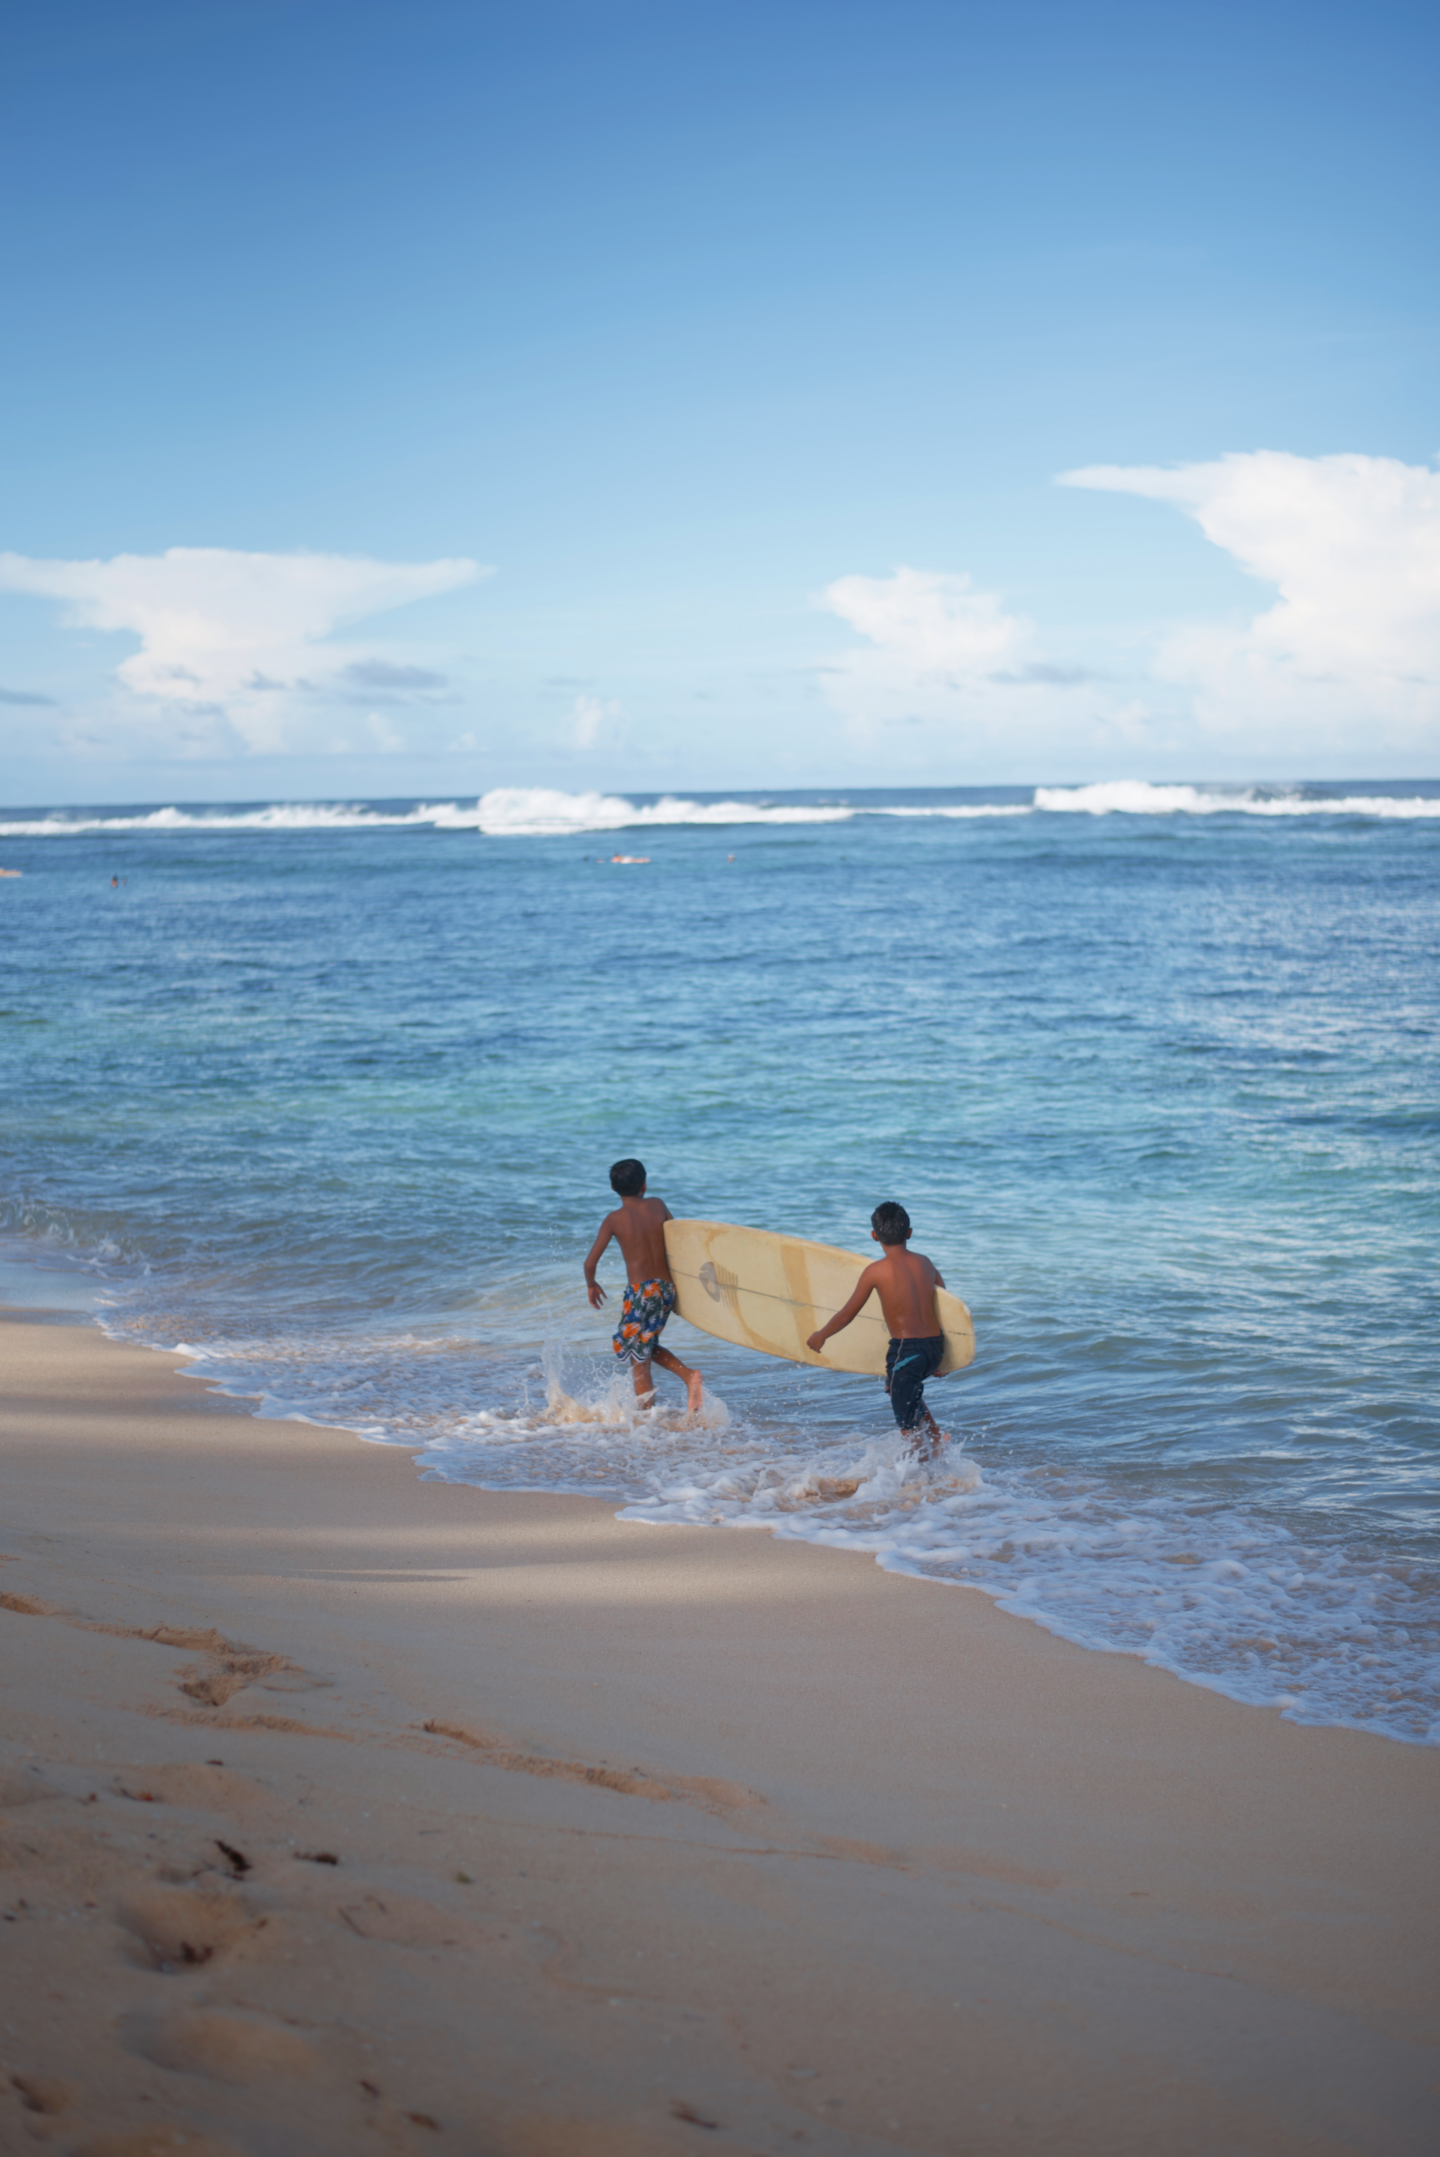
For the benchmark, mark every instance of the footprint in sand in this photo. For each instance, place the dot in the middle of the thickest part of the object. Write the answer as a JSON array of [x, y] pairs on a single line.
[[205, 1786], [404, 1921], [231, 2047], [230, 1666], [176, 1928], [41, 2093]]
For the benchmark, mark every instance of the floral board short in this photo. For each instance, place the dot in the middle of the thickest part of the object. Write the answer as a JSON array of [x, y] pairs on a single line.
[[642, 1319]]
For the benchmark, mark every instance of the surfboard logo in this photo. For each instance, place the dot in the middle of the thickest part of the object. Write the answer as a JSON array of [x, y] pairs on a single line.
[[718, 1285]]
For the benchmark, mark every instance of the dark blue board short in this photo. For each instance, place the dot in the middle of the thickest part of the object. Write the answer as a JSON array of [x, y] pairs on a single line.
[[907, 1366]]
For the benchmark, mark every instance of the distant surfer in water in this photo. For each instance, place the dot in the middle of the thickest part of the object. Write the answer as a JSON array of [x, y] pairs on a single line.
[[638, 1226], [905, 1282]]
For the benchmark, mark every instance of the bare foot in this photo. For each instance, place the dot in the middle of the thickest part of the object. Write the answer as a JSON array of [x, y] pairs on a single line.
[[694, 1392]]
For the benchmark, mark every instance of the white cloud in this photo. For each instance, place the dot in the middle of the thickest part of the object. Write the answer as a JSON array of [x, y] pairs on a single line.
[[231, 645], [933, 642], [1350, 655], [592, 719], [950, 662]]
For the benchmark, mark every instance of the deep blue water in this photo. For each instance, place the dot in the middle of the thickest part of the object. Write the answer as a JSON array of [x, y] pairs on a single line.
[[330, 1096]]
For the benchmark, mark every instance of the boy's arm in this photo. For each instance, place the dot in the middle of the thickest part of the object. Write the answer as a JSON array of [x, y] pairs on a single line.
[[851, 1308], [592, 1287]]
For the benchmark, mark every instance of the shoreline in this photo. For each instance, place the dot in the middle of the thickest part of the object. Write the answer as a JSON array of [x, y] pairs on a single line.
[[1229, 1686], [907, 1871]]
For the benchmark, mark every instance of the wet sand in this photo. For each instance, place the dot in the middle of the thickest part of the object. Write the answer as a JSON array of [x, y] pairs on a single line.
[[347, 1812]]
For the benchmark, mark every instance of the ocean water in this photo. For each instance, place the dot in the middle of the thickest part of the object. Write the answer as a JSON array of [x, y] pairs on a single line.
[[328, 1096]]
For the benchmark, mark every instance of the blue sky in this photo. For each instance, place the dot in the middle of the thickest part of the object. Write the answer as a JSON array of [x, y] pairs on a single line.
[[741, 348]]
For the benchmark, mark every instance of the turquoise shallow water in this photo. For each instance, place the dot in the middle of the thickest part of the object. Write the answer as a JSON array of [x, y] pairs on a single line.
[[329, 1095]]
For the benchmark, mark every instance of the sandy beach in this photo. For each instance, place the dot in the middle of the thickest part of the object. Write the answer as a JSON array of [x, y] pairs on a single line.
[[345, 1811]]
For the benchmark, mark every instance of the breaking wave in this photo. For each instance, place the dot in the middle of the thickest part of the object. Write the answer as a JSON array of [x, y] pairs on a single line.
[[520, 812], [536, 812], [1136, 797]]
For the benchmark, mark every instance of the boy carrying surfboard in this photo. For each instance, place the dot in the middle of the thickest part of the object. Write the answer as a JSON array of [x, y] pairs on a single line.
[[905, 1282], [638, 1226]]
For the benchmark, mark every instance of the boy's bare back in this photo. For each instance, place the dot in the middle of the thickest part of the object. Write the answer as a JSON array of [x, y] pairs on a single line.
[[905, 1282], [638, 1226]]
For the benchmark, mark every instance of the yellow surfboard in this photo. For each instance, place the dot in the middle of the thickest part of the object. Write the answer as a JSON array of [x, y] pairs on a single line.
[[768, 1292]]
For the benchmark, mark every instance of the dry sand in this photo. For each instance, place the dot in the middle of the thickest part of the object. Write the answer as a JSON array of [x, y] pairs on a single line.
[[347, 1812]]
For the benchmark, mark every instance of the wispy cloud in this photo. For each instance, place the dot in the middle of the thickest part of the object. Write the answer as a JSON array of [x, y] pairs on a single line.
[[23, 696], [1351, 651], [231, 643], [382, 677]]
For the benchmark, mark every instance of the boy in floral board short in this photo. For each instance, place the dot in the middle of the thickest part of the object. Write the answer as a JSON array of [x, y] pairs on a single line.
[[638, 1226]]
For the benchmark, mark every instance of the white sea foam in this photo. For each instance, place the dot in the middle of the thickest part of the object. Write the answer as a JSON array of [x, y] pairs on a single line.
[[274, 816], [505, 812], [518, 812], [1136, 797], [535, 811]]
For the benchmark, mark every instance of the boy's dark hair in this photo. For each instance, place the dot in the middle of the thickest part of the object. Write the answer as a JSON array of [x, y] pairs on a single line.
[[891, 1222], [627, 1178]]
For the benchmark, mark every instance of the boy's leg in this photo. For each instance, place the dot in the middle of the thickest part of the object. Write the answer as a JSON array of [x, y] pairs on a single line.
[[694, 1383], [924, 1438], [927, 1438], [907, 1365], [644, 1383]]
